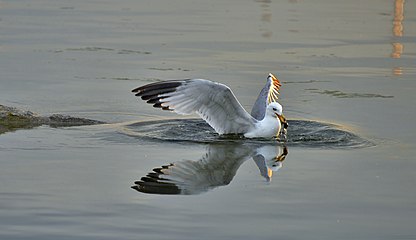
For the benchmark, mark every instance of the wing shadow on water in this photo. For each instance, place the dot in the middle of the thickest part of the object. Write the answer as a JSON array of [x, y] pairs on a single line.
[[216, 168]]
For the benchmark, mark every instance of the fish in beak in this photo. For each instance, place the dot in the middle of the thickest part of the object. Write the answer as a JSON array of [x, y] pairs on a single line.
[[285, 125], [282, 120]]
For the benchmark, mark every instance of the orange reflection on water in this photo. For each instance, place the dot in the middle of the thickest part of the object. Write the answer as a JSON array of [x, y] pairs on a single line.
[[397, 50], [397, 71], [398, 18], [398, 47]]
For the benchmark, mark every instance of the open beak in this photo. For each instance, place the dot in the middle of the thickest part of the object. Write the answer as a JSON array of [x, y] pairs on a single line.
[[282, 120]]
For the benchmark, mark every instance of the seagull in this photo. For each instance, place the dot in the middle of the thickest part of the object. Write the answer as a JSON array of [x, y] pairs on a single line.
[[217, 167], [217, 105]]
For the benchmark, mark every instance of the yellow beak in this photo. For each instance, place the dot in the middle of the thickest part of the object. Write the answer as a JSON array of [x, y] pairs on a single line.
[[282, 119]]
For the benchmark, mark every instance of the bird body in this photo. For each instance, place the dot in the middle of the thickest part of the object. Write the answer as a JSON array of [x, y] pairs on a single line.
[[269, 126]]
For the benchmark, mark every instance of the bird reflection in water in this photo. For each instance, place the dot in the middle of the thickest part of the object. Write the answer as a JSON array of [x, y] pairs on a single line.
[[216, 168]]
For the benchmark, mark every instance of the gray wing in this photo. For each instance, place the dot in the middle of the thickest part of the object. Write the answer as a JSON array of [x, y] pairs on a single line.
[[216, 168], [212, 101], [268, 94]]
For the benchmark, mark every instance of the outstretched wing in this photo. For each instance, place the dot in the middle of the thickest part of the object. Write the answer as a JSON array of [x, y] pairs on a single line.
[[214, 102], [268, 94], [216, 168]]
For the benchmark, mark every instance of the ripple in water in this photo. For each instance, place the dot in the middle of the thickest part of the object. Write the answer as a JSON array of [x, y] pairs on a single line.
[[300, 133]]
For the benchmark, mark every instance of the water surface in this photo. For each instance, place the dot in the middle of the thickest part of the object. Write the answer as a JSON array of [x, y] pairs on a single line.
[[348, 71]]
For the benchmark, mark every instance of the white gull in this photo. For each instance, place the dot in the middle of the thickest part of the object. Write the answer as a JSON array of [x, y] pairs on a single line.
[[217, 105]]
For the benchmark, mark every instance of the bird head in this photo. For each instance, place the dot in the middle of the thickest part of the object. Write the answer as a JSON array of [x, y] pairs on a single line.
[[275, 109]]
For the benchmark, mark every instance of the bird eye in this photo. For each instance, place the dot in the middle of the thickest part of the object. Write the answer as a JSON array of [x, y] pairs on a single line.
[[274, 109]]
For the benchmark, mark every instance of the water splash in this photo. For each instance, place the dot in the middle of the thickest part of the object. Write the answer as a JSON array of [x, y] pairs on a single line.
[[303, 133]]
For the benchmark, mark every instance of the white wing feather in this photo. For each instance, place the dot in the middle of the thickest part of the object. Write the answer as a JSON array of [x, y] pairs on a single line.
[[214, 102], [216, 168]]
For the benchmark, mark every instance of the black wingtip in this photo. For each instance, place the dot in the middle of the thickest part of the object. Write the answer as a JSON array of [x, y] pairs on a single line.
[[135, 187], [159, 85], [157, 105], [153, 101], [156, 188]]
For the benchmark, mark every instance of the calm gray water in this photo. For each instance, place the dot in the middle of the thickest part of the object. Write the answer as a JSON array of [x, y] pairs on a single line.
[[348, 72]]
